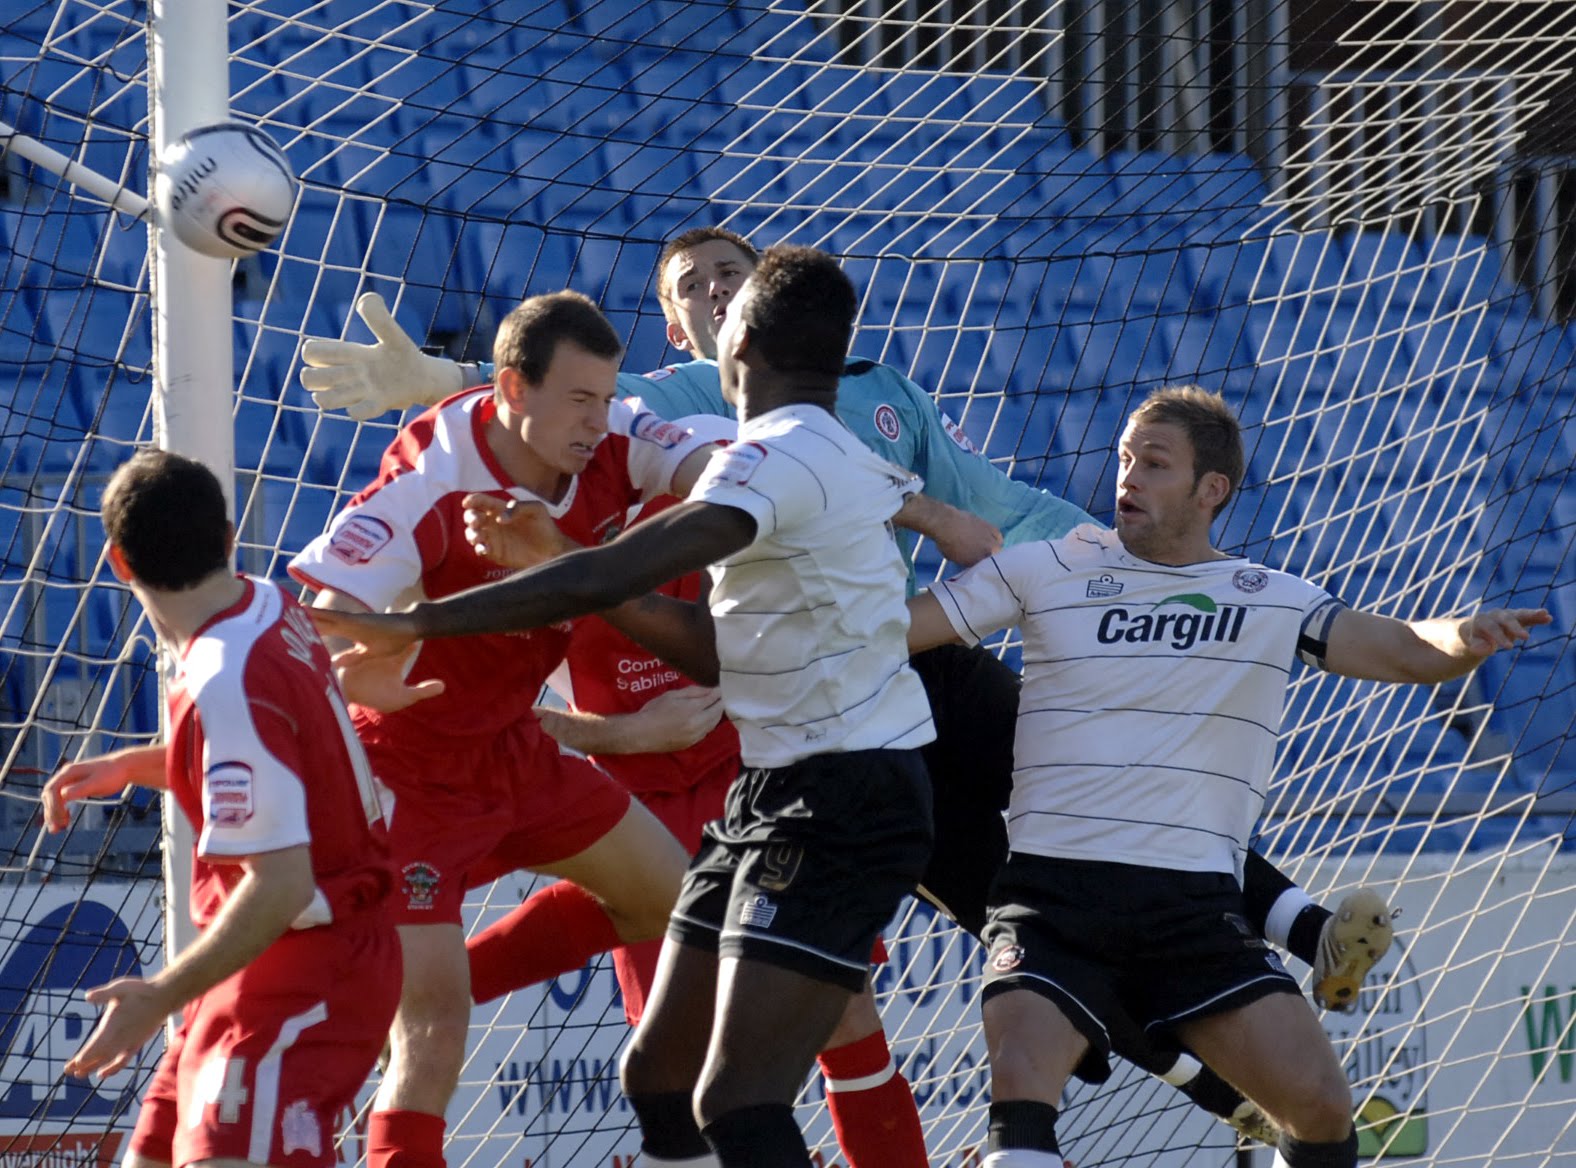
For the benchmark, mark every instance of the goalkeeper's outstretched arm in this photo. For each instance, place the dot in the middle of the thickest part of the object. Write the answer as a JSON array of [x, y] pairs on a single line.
[[390, 374]]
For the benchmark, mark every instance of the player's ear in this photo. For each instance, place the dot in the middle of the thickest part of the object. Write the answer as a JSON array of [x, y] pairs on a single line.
[[118, 565], [229, 540], [1213, 489], [510, 384], [678, 338]]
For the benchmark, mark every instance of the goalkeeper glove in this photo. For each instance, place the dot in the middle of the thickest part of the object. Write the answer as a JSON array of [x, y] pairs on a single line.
[[367, 380]]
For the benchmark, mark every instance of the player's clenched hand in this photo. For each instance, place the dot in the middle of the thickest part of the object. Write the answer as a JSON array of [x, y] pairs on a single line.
[[91, 778], [513, 533], [1494, 629], [134, 1010], [378, 681], [965, 539], [367, 380], [675, 720]]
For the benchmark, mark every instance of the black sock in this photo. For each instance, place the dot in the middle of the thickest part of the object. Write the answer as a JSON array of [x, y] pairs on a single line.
[[1303, 937], [1213, 1093], [1262, 885], [667, 1125], [1301, 1154], [762, 1136], [1022, 1123]]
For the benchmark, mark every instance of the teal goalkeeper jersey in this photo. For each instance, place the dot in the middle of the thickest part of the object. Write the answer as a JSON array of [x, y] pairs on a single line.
[[900, 422]]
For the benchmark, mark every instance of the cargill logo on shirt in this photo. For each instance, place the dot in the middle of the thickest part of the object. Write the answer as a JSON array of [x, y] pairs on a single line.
[[1200, 620]]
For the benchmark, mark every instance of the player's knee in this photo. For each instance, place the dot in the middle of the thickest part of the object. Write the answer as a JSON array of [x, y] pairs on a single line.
[[860, 1019], [429, 1032], [644, 1071], [1322, 1113]]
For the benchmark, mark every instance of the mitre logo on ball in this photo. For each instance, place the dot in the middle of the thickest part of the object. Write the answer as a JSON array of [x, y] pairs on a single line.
[[226, 190]]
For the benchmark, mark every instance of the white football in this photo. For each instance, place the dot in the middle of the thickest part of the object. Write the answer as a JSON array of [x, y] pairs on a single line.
[[226, 190]]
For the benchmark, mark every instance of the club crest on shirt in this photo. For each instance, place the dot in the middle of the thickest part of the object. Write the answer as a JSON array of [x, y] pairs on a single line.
[[658, 431], [359, 538], [1250, 580], [420, 884], [1103, 587], [887, 423], [227, 794], [299, 1130], [738, 463], [1007, 958]]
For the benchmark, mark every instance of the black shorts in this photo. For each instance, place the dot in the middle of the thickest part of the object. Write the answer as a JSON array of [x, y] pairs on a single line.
[[974, 702], [809, 863], [1099, 939]]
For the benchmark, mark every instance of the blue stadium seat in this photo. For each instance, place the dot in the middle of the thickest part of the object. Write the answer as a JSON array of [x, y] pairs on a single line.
[[1206, 349], [1529, 353], [1305, 262], [1287, 351], [1387, 270], [96, 328], [1117, 353], [1228, 273], [1454, 347], [1145, 280], [22, 339], [1367, 352], [1226, 182], [1154, 179], [1471, 270]]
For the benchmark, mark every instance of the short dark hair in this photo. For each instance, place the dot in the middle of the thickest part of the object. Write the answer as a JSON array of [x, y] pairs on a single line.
[[529, 335], [168, 516], [801, 315], [693, 238], [1211, 427]]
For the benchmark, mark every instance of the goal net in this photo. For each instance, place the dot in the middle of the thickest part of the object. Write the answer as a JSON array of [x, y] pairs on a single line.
[[1353, 219]]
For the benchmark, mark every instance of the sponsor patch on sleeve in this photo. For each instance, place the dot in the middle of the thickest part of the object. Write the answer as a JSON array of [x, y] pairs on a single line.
[[660, 374], [955, 432], [227, 794], [658, 431], [359, 538], [738, 463]]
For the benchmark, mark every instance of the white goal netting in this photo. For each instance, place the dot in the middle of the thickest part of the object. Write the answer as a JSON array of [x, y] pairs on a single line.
[[1354, 219]]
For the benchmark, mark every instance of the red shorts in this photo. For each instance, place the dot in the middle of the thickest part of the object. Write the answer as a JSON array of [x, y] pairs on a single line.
[[467, 816], [268, 1060]]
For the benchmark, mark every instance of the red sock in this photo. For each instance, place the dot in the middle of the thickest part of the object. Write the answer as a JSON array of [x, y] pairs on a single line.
[[404, 1139], [555, 930], [872, 1108], [635, 966]]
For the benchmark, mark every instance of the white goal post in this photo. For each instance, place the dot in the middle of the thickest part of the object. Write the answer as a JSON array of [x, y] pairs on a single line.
[[1353, 220]]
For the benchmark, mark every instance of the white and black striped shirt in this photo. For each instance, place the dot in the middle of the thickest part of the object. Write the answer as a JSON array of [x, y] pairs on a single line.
[[811, 618], [1152, 694]]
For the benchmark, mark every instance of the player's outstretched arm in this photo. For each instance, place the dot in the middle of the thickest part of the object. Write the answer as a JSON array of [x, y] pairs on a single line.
[[670, 721], [275, 888], [93, 778], [675, 543], [1381, 648], [368, 380], [962, 538]]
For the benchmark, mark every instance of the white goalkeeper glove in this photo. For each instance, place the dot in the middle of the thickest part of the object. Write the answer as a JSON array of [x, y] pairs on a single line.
[[368, 380]]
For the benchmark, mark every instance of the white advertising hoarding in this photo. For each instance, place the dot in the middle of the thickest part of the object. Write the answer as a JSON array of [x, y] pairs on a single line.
[[1463, 1051]]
